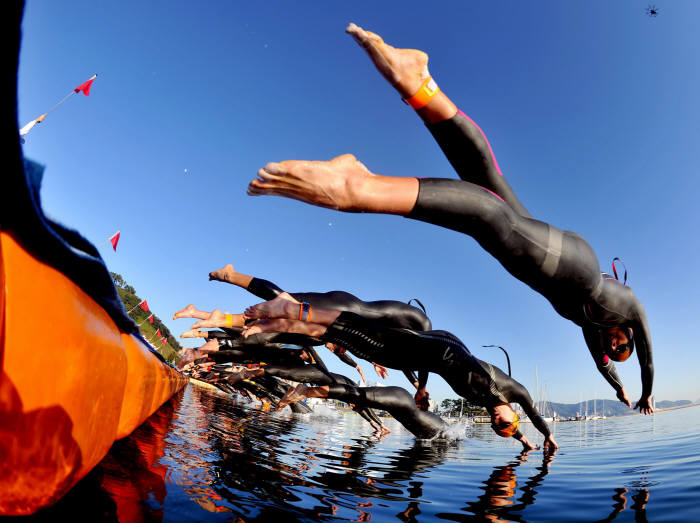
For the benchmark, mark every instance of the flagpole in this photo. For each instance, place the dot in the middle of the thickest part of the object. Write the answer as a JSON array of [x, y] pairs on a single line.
[[131, 310], [41, 118], [144, 321]]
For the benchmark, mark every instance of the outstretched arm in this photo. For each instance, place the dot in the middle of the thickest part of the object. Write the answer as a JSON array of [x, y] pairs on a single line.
[[516, 392], [643, 344], [604, 364], [422, 397]]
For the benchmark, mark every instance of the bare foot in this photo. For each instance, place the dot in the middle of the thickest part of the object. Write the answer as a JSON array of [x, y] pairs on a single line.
[[219, 319], [405, 69], [194, 333], [334, 184], [228, 274], [191, 312], [385, 431], [293, 395], [283, 306]]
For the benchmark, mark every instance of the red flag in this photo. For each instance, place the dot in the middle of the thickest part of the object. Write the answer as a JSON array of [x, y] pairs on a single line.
[[158, 333], [144, 305], [163, 340], [114, 240], [150, 319], [85, 87]]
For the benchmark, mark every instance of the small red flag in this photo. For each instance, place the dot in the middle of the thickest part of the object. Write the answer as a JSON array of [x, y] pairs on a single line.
[[158, 333], [85, 87], [144, 305], [114, 240], [163, 341], [150, 319]]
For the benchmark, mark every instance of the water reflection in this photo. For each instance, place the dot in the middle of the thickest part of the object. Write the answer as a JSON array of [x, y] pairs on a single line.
[[498, 503], [640, 499], [205, 456]]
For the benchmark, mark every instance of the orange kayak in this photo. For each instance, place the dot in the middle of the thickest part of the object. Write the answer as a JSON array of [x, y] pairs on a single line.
[[75, 374]]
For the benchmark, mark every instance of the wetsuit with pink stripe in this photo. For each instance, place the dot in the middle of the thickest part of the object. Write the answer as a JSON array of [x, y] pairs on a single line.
[[558, 264]]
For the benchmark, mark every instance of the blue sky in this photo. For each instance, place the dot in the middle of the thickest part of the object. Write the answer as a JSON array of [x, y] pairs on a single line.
[[591, 108]]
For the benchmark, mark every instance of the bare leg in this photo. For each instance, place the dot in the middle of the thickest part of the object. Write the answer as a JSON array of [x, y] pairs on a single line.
[[464, 144], [191, 312], [283, 306], [228, 274], [301, 392], [281, 325], [405, 70], [219, 319], [195, 333], [210, 347], [245, 374], [342, 183]]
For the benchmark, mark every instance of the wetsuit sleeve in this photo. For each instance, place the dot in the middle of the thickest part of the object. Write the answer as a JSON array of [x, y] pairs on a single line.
[[345, 358], [264, 289], [411, 376], [642, 342], [318, 362], [423, 378], [604, 364], [520, 395]]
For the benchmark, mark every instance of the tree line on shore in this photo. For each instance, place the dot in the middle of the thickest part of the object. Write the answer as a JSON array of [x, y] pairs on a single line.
[[131, 302]]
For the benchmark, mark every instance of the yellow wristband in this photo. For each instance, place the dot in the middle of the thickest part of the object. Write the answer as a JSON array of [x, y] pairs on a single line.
[[228, 322], [426, 93]]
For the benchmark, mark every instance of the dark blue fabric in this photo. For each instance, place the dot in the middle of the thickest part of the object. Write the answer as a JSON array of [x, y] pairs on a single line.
[[21, 216]]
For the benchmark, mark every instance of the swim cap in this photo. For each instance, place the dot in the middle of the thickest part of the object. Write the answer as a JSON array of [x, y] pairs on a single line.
[[508, 430]]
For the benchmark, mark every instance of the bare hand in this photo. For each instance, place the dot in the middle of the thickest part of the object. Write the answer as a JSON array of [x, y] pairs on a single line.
[[422, 399], [622, 396], [381, 371], [528, 445], [644, 405], [550, 445]]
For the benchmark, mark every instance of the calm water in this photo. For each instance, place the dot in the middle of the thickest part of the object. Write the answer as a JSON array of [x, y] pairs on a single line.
[[203, 457]]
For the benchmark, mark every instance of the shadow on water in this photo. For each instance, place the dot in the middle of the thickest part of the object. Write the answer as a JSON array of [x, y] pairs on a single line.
[[206, 457]]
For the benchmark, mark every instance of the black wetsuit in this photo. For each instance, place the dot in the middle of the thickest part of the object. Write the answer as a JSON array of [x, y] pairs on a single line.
[[311, 374], [435, 351], [386, 312], [284, 362], [558, 264], [397, 402]]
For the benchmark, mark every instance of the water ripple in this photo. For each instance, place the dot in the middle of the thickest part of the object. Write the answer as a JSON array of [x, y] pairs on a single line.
[[204, 456]]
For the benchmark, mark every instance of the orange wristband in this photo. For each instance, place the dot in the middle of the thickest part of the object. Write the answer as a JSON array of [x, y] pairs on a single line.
[[228, 320], [426, 93]]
